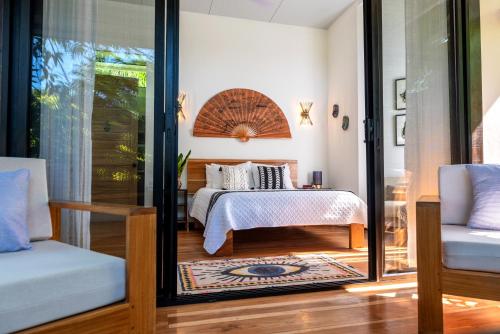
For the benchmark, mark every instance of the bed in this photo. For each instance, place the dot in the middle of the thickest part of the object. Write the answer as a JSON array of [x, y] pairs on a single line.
[[221, 212]]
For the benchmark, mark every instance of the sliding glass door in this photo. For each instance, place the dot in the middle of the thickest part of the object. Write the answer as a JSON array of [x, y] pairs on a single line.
[[482, 29], [92, 105], [415, 118]]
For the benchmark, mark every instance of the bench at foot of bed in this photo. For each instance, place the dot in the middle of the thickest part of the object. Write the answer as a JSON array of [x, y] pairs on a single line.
[[356, 240]]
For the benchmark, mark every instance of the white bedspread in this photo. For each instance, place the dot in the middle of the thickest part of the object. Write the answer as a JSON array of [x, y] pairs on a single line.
[[270, 208]]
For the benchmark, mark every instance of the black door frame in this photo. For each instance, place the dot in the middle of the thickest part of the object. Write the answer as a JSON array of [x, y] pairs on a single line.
[[18, 24], [375, 190], [14, 127]]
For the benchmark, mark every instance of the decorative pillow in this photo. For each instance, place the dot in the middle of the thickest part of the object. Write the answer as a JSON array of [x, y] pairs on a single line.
[[287, 181], [485, 212], [234, 178], [214, 175], [14, 188], [271, 177]]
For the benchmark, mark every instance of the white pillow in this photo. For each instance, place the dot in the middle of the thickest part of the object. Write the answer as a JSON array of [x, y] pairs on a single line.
[[213, 174], [287, 181], [234, 178]]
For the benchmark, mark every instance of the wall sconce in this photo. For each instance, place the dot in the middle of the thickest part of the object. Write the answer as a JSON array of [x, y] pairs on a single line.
[[180, 105], [305, 119]]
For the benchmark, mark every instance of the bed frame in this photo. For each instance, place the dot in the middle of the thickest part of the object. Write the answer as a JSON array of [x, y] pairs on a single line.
[[196, 179]]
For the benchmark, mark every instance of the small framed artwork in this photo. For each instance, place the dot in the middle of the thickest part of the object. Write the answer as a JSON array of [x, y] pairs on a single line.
[[400, 134], [400, 94]]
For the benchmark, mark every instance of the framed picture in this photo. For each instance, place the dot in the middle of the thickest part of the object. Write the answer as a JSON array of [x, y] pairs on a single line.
[[400, 94], [400, 134]]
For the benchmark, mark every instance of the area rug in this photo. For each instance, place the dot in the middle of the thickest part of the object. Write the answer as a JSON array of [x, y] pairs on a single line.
[[209, 276]]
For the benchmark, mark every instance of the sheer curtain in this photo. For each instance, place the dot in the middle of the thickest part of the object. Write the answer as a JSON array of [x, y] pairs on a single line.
[[427, 114], [67, 93]]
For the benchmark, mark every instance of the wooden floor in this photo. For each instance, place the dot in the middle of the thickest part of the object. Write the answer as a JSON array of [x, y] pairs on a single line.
[[331, 240], [278, 242], [360, 310], [109, 238]]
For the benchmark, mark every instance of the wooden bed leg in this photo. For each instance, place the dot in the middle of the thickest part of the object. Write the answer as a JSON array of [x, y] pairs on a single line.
[[356, 235], [227, 248]]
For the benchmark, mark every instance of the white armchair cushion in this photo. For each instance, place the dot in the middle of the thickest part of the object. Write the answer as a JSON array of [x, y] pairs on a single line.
[[39, 223], [455, 192], [470, 249], [54, 280]]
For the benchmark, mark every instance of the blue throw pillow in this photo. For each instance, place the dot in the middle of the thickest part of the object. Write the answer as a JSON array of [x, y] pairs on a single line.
[[14, 188], [485, 212]]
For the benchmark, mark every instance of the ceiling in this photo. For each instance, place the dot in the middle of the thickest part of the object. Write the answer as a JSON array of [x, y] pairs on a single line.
[[309, 13]]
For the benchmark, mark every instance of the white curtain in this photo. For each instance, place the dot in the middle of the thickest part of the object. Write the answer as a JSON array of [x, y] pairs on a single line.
[[67, 93], [427, 114]]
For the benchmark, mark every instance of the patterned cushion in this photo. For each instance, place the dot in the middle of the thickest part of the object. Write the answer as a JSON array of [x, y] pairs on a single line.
[[486, 196], [271, 177], [234, 178], [287, 177]]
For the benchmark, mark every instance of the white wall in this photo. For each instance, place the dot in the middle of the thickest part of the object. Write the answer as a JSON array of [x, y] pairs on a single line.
[[346, 150], [394, 67], [490, 54], [286, 63]]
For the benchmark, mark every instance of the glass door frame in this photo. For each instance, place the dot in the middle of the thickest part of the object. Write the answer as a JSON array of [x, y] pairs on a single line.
[[14, 127], [372, 52], [20, 18]]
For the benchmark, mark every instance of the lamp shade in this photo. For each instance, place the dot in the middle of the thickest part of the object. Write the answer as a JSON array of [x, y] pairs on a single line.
[[317, 178]]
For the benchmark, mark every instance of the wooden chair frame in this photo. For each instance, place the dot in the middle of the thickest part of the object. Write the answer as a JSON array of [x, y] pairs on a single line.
[[137, 314], [434, 279]]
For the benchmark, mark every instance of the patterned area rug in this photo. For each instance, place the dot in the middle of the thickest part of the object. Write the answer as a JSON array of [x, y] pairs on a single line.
[[208, 276]]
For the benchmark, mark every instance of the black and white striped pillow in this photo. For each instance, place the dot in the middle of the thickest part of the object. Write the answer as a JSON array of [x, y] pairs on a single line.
[[271, 177]]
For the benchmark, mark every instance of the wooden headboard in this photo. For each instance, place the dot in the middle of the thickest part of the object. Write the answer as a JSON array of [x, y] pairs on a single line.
[[196, 177]]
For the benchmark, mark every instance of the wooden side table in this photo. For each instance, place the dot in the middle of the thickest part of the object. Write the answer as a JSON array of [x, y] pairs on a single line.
[[182, 208]]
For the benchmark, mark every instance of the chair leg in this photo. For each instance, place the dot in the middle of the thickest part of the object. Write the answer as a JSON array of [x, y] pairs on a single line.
[[430, 306]]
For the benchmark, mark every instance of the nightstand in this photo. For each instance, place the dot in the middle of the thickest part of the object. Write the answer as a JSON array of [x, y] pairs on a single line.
[[182, 208]]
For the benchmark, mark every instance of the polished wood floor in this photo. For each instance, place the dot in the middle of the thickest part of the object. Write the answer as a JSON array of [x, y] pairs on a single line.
[[278, 242], [360, 309], [331, 240], [109, 237]]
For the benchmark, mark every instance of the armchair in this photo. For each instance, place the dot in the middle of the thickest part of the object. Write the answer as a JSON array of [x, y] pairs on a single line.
[[452, 258], [57, 288]]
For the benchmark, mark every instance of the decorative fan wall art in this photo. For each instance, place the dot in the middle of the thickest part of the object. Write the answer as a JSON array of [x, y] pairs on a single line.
[[242, 114]]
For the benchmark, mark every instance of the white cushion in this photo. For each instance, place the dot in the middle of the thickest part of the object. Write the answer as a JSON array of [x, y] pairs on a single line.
[[234, 178], [214, 177], [54, 280], [455, 192], [39, 223], [470, 249]]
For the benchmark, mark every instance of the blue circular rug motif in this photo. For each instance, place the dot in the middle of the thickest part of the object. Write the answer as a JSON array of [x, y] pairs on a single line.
[[266, 270]]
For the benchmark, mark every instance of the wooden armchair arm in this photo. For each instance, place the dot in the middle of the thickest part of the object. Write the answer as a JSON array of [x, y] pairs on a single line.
[[140, 255], [107, 208], [429, 262]]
